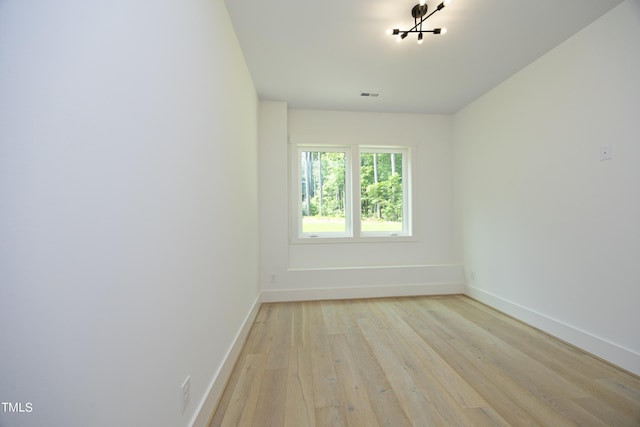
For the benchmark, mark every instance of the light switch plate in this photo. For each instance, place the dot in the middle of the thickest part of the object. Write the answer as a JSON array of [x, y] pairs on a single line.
[[606, 152]]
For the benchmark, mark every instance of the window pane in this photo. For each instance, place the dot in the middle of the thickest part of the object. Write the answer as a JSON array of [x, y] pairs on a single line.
[[323, 192], [381, 192]]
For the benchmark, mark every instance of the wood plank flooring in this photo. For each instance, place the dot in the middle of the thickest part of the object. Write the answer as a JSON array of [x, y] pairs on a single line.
[[422, 361]]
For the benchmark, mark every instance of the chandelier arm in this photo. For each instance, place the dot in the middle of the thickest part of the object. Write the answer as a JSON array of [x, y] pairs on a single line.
[[422, 31], [421, 21]]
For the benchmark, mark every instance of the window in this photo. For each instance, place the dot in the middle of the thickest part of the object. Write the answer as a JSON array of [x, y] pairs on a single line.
[[382, 192], [351, 191], [323, 185]]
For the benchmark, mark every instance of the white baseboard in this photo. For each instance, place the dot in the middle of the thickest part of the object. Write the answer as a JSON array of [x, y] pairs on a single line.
[[209, 402], [625, 358], [280, 295]]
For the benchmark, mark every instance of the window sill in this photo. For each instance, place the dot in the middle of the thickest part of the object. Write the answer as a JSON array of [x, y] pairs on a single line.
[[348, 240]]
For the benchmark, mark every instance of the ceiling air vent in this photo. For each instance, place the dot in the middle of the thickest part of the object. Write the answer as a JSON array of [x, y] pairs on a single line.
[[370, 94]]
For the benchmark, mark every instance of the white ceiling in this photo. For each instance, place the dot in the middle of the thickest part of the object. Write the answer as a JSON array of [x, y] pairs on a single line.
[[322, 54]]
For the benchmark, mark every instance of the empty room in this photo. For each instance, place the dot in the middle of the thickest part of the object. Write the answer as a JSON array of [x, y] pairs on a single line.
[[291, 213]]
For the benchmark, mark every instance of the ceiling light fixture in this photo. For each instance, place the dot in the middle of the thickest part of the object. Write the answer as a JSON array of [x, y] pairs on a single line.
[[419, 13]]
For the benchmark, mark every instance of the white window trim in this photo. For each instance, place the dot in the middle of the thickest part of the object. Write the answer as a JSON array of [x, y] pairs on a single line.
[[353, 232]]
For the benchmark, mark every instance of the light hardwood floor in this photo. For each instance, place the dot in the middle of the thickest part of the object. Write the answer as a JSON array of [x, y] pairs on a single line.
[[425, 361]]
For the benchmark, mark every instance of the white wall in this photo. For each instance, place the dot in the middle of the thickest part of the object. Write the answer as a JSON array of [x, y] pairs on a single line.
[[551, 232], [128, 207], [357, 269]]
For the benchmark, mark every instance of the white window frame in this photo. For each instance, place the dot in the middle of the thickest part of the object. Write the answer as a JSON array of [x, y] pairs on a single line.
[[353, 233]]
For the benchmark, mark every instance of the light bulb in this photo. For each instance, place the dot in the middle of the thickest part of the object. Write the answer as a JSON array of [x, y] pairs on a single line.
[[389, 31], [443, 31], [446, 2], [423, 2]]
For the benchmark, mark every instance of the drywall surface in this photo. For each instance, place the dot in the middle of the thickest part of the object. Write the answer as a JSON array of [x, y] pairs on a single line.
[[319, 267], [547, 231], [128, 208]]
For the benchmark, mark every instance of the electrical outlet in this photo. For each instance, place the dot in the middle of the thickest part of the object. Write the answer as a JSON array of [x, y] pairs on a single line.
[[185, 393], [473, 275], [272, 278]]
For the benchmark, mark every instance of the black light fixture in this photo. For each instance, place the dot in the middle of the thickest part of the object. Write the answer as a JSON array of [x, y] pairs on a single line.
[[419, 13]]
